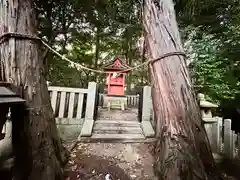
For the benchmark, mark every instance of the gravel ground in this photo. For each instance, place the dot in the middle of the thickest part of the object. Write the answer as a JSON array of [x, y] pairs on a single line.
[[93, 161], [122, 161]]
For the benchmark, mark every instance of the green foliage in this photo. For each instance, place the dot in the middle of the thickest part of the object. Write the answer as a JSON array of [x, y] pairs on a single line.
[[211, 35], [211, 68]]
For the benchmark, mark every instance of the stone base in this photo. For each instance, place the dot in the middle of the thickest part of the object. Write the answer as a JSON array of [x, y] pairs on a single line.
[[68, 128], [87, 128], [115, 102], [147, 129]]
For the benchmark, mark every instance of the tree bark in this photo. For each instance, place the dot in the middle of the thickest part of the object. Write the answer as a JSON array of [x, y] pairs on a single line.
[[97, 51], [182, 151], [129, 61], [143, 60], [97, 47], [23, 67]]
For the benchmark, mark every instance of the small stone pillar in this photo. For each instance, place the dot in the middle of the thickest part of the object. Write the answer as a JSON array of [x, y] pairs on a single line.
[[209, 121], [146, 113], [90, 108]]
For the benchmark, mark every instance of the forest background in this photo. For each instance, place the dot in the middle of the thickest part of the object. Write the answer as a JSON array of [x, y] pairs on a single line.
[[95, 32]]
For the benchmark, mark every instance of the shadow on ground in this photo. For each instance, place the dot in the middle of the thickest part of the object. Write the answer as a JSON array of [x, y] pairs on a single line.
[[230, 168], [123, 161], [89, 167]]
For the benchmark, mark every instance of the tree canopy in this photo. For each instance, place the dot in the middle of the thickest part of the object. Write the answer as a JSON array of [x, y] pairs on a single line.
[[91, 33], [212, 43], [94, 32]]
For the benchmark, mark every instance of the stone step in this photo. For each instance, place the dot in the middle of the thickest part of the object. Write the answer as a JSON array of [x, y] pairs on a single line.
[[115, 119], [115, 105], [117, 122], [110, 140], [116, 132], [101, 129], [117, 125], [112, 137]]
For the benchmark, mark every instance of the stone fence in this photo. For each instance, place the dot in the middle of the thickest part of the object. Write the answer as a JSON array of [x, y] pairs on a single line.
[[74, 109], [132, 100], [222, 139]]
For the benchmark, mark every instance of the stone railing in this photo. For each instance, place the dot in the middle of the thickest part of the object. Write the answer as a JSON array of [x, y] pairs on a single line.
[[132, 100], [74, 109], [222, 139]]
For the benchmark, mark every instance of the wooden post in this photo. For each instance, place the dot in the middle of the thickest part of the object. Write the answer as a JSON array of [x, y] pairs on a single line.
[[216, 136], [228, 139], [221, 135], [208, 124], [238, 145], [233, 144], [124, 76], [90, 107], [108, 82], [146, 112]]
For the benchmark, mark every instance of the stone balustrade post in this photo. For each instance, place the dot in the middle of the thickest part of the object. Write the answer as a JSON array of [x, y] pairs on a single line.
[[90, 108], [146, 112]]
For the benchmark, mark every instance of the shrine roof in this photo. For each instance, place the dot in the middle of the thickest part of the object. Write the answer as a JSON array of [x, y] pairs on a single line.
[[116, 65]]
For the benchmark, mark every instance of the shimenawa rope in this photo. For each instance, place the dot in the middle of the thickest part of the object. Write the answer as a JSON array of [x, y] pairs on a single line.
[[6, 36]]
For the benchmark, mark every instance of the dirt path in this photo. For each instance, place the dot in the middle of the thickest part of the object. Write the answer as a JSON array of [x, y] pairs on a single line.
[[93, 161]]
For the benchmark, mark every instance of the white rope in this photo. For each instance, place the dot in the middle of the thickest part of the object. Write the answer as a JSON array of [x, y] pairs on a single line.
[[90, 69], [71, 62], [5, 36], [126, 70]]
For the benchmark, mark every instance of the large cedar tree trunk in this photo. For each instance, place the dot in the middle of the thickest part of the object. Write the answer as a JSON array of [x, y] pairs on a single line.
[[182, 150], [97, 52], [23, 66]]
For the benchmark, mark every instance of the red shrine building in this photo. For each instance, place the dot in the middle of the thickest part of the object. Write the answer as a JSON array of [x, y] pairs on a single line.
[[115, 80], [115, 84]]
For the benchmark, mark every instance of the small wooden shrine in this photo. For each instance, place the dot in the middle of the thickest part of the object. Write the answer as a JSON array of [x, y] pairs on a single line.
[[115, 84], [115, 79]]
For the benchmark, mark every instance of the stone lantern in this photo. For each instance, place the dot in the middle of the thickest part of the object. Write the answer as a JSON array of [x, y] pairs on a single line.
[[206, 107], [207, 117], [8, 119], [7, 96], [7, 100]]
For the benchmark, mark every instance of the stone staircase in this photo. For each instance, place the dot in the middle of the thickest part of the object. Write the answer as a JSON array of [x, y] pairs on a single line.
[[117, 126], [117, 130]]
